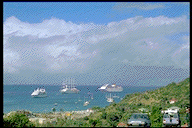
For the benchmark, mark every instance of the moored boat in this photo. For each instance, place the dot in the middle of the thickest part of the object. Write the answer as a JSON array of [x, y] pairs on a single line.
[[39, 93], [109, 99], [71, 89], [114, 88]]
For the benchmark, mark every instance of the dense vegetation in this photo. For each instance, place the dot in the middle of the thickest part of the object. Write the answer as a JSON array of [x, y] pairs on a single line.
[[17, 119], [152, 102]]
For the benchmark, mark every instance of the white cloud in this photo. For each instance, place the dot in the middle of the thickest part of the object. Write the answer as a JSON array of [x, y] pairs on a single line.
[[58, 46], [55, 50], [47, 28]]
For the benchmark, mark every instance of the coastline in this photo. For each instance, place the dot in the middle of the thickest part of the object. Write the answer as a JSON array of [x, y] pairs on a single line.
[[51, 117]]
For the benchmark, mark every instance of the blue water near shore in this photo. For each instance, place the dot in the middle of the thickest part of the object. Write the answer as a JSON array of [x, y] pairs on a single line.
[[18, 97]]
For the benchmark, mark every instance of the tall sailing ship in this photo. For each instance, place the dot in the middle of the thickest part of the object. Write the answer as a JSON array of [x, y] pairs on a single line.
[[69, 89], [109, 99]]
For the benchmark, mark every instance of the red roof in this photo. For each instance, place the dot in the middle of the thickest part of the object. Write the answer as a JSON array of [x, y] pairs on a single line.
[[122, 124], [185, 125], [173, 99]]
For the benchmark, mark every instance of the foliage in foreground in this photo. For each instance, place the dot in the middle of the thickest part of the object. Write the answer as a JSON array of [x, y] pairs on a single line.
[[17, 119]]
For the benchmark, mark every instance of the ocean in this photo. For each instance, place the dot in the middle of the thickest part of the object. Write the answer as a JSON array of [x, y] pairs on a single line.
[[18, 97]]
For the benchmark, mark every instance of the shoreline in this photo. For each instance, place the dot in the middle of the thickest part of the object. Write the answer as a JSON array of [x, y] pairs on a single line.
[[51, 112], [51, 117]]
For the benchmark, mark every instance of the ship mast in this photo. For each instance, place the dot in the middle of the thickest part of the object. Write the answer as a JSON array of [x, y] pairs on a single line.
[[72, 83]]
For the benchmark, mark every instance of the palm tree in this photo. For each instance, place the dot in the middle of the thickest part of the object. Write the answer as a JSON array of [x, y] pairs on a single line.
[[54, 109]]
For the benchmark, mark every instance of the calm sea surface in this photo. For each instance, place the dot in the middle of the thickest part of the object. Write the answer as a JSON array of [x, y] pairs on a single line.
[[18, 97]]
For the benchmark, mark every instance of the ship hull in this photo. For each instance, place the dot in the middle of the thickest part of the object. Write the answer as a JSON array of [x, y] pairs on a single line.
[[69, 92], [114, 90], [103, 90], [86, 103], [38, 96], [109, 100]]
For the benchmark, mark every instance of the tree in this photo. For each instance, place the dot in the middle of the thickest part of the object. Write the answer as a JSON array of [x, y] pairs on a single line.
[[92, 122], [113, 118], [146, 97], [17, 120], [156, 116], [86, 118], [6, 123], [96, 108], [61, 110], [53, 109], [104, 115]]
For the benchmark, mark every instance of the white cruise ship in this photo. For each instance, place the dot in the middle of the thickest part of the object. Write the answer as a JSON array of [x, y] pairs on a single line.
[[111, 88], [103, 88], [114, 88], [39, 93]]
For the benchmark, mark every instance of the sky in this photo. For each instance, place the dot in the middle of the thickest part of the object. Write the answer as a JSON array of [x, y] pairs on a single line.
[[127, 43]]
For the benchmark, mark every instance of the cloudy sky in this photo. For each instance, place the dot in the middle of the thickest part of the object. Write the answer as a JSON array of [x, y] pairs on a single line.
[[96, 43]]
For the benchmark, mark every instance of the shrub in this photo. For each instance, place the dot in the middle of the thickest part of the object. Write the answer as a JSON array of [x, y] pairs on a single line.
[[103, 115], [93, 122], [120, 109], [139, 104], [96, 108], [156, 116], [113, 118], [146, 97], [86, 118], [53, 109], [17, 120]]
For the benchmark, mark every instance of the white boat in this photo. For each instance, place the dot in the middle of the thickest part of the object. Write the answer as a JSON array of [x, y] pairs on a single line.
[[91, 95], [85, 102], [110, 99], [115, 96], [79, 99], [103, 88], [114, 88], [39, 93], [71, 89]]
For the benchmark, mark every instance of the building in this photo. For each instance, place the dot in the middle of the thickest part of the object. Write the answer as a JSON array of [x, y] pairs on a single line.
[[67, 114], [172, 101], [122, 125], [143, 110], [171, 110], [39, 120], [89, 110]]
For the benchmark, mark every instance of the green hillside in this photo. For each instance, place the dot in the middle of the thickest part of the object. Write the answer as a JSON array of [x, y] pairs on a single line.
[[151, 102]]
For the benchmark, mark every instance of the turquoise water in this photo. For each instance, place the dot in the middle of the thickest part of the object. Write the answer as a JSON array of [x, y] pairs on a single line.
[[18, 97]]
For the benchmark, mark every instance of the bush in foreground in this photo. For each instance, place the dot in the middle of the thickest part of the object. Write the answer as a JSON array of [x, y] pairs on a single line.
[[17, 120]]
